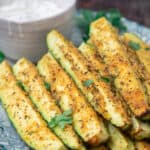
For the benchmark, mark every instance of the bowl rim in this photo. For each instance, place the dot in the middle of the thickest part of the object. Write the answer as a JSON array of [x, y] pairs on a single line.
[[70, 6]]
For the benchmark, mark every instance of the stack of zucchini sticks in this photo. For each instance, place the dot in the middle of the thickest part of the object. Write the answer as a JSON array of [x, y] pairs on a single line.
[[94, 97]]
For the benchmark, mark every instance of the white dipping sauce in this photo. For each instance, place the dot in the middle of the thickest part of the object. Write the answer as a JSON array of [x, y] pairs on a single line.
[[29, 10]]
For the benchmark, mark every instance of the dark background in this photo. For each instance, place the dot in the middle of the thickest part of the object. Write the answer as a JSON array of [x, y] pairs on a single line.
[[138, 10]]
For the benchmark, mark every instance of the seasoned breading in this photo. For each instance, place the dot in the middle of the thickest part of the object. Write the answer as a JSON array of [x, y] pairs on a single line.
[[96, 91], [27, 74], [139, 130], [107, 42], [29, 124], [143, 54], [140, 59], [85, 120]]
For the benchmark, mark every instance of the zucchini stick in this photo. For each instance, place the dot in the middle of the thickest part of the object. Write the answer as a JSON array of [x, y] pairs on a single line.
[[139, 130], [27, 121], [108, 44], [96, 91], [85, 120], [140, 59], [28, 75], [118, 141]]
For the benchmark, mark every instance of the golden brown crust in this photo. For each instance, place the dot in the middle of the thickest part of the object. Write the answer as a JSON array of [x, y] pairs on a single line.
[[111, 49], [98, 93], [24, 117], [86, 122]]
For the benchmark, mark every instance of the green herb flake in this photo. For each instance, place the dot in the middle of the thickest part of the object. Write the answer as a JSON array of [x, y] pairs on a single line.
[[87, 83], [134, 45], [85, 18], [105, 79], [47, 86], [147, 48], [20, 85], [61, 120], [2, 56]]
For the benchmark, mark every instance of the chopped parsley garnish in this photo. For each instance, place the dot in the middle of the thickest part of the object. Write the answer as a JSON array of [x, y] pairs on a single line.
[[87, 16], [105, 79], [134, 45], [20, 85], [147, 48], [87, 83], [61, 120], [47, 86], [2, 56]]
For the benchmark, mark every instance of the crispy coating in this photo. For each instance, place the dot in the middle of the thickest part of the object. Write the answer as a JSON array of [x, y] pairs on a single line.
[[98, 92], [139, 60], [28, 75], [139, 130], [142, 53], [86, 122], [29, 124], [105, 38]]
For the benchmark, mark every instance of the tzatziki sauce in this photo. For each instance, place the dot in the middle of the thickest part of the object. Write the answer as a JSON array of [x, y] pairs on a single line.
[[29, 10]]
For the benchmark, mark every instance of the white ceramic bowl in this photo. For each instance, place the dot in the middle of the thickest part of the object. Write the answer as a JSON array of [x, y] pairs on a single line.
[[29, 39]]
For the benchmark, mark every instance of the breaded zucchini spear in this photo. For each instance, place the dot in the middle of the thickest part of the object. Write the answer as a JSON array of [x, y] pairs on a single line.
[[27, 74], [142, 145], [86, 122], [139, 130], [96, 91], [106, 39], [143, 52], [118, 141], [27, 121], [139, 58]]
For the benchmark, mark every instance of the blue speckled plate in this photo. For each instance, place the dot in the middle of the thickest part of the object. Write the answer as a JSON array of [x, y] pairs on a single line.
[[9, 139]]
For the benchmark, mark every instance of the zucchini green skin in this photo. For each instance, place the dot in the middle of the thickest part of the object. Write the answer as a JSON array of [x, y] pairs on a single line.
[[85, 121], [98, 93], [118, 141], [29, 124], [27, 74], [139, 130], [109, 46]]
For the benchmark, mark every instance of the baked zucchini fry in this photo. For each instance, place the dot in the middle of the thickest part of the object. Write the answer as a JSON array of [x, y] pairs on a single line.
[[96, 91], [139, 69], [118, 141], [142, 145], [85, 120], [28, 123], [106, 39], [141, 60], [28, 75], [143, 53], [139, 130]]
